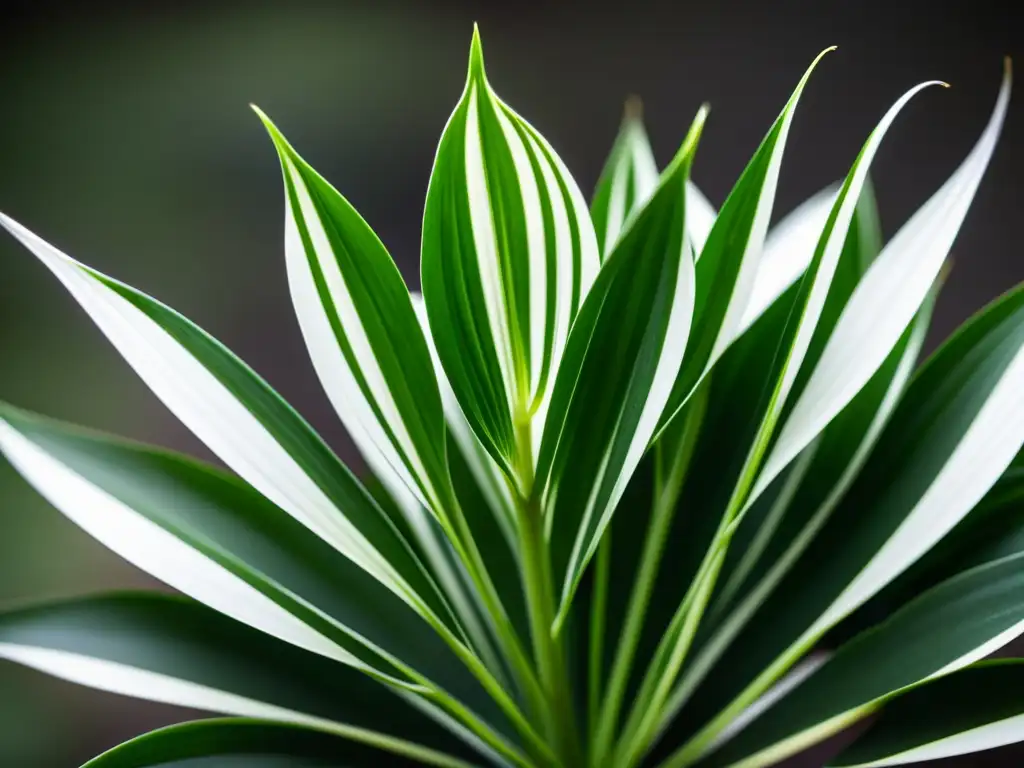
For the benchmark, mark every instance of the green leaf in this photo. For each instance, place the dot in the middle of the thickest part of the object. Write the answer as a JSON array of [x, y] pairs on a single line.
[[992, 530], [947, 628], [728, 263], [362, 334], [627, 182], [508, 255], [951, 436], [246, 743], [788, 251], [884, 303], [485, 499], [624, 351], [176, 651], [809, 307], [245, 423], [830, 463], [217, 540], [977, 708]]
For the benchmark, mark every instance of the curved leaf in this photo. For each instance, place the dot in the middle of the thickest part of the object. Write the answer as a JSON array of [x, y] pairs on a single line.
[[508, 255], [956, 429], [244, 743], [218, 541], [947, 628], [810, 305], [244, 422], [992, 530], [977, 708], [885, 302], [728, 263], [176, 651], [362, 334], [624, 351]]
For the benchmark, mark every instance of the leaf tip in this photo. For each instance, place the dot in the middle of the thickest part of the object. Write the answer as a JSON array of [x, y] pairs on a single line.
[[633, 109], [476, 56], [280, 143], [1008, 67]]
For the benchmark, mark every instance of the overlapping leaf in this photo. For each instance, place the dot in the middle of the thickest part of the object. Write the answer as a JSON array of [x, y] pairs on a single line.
[[627, 182], [257, 744], [809, 305], [175, 651], [625, 350], [362, 334], [947, 628], [950, 438], [728, 263], [508, 255], [217, 540], [244, 422], [885, 302], [980, 707]]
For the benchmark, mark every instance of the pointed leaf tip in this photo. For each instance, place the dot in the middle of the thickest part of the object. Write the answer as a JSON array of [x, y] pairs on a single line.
[[684, 155], [476, 56], [633, 110], [280, 142]]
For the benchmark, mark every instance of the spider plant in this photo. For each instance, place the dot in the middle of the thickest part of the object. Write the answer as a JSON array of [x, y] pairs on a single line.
[[649, 483]]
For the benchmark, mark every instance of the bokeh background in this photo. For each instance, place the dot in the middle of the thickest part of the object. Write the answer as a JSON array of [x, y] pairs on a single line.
[[126, 139]]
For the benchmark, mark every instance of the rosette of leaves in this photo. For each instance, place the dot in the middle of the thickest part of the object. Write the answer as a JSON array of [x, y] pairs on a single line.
[[652, 484]]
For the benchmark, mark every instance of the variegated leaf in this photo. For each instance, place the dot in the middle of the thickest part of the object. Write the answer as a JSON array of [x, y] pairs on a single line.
[[625, 350], [885, 302], [508, 255], [244, 422], [362, 334]]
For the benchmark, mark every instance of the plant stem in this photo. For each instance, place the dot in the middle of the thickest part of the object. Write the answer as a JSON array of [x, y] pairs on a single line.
[[598, 606], [548, 650], [646, 719], [536, 744], [466, 549], [675, 450], [538, 586]]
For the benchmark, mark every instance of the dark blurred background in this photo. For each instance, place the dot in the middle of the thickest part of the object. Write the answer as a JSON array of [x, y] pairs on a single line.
[[126, 140]]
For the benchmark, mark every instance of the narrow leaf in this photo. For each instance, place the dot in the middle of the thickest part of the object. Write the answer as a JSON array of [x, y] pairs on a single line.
[[508, 255], [980, 707], [952, 435], [945, 629], [244, 422], [363, 337], [729, 261], [625, 350], [175, 651], [218, 541], [885, 301], [261, 744]]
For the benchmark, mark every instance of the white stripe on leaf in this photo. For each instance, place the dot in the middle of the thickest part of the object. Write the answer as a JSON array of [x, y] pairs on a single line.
[[754, 245], [788, 251], [983, 453], [829, 250], [486, 244], [1009, 730], [156, 551], [332, 367], [209, 409], [127, 680], [884, 302]]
